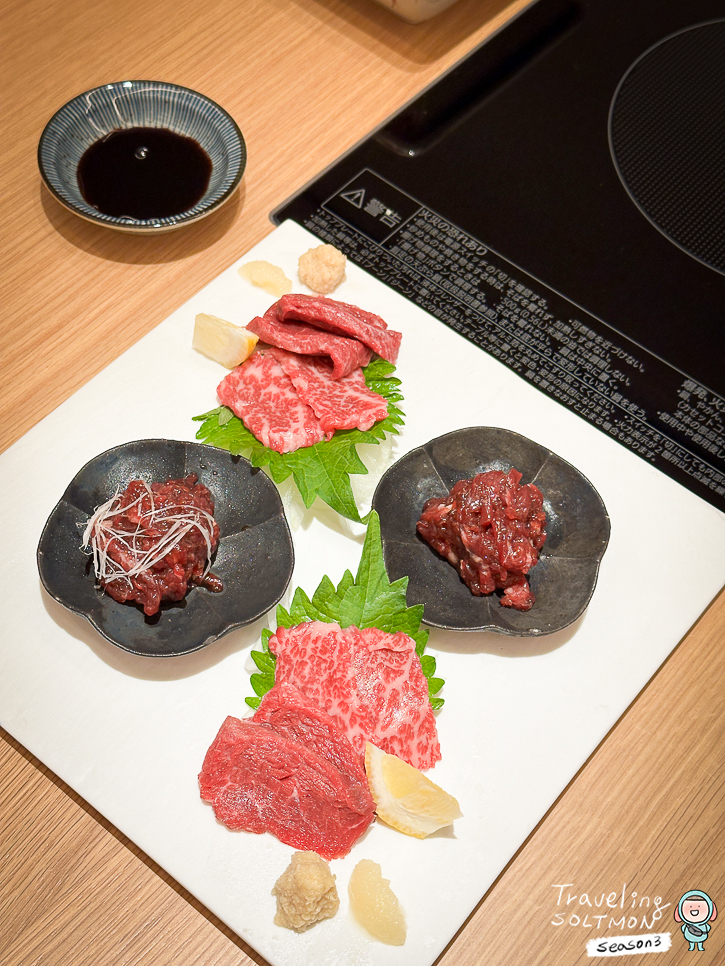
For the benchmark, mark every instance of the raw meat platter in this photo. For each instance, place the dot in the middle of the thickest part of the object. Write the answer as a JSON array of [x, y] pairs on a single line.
[[521, 715]]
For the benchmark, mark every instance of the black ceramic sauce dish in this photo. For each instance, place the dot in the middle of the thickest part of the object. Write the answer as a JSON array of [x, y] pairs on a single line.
[[577, 529], [254, 559]]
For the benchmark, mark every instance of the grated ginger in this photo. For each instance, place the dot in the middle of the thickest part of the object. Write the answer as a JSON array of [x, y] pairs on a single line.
[[306, 892], [322, 269]]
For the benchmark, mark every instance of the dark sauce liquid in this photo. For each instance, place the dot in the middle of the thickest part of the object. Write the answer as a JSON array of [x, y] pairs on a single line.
[[144, 173]]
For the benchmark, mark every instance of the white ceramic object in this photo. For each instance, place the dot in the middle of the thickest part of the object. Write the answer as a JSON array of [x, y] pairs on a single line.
[[129, 733], [416, 11]]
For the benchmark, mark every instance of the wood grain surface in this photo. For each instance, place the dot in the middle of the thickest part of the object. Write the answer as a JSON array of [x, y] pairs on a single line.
[[305, 79]]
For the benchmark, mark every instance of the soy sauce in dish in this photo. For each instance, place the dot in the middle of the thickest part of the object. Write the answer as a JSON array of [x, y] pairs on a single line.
[[144, 173]]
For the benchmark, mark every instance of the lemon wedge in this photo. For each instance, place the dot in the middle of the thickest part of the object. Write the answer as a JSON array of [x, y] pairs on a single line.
[[405, 798], [219, 340]]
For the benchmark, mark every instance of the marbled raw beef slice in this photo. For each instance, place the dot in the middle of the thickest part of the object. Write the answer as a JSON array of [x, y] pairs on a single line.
[[261, 393], [344, 403], [346, 354], [393, 691], [370, 682], [317, 658], [259, 780]]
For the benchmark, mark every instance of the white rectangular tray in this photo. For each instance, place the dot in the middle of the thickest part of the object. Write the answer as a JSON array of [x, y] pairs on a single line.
[[129, 734]]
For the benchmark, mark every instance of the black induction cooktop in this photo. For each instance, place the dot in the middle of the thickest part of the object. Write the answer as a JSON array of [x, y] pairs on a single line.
[[558, 198]]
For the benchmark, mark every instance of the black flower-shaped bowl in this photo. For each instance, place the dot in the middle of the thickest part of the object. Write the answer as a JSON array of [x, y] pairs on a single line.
[[254, 558], [577, 529]]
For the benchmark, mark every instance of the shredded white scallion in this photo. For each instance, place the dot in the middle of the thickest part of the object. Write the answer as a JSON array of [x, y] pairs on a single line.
[[100, 533]]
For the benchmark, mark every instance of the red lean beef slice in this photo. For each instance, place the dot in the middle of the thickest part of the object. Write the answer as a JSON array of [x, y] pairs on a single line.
[[261, 394], [290, 713], [370, 682], [369, 318], [341, 319], [260, 780], [346, 354], [344, 403]]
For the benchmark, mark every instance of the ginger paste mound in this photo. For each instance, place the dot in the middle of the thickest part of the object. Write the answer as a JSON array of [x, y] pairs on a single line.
[[305, 892], [322, 269]]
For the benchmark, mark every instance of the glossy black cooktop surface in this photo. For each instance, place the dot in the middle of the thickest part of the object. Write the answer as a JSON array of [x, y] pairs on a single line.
[[558, 197]]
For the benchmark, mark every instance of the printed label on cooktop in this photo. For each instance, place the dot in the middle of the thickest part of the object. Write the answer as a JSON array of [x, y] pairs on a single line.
[[648, 405], [373, 206]]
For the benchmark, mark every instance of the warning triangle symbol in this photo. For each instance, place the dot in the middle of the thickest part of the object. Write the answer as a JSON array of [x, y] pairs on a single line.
[[355, 198]]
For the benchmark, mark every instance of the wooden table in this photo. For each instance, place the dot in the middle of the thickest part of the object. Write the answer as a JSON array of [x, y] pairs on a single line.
[[305, 79]]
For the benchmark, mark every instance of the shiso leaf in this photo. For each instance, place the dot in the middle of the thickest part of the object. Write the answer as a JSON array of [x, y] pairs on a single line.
[[347, 581], [265, 661], [366, 600], [428, 663], [324, 469]]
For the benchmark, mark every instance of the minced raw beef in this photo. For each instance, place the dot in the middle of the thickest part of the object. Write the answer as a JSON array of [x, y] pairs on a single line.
[[491, 530], [261, 393], [346, 354], [341, 319], [370, 682], [344, 403], [152, 541], [263, 778]]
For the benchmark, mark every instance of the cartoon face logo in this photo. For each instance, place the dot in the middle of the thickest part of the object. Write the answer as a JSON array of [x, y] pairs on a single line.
[[695, 911]]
